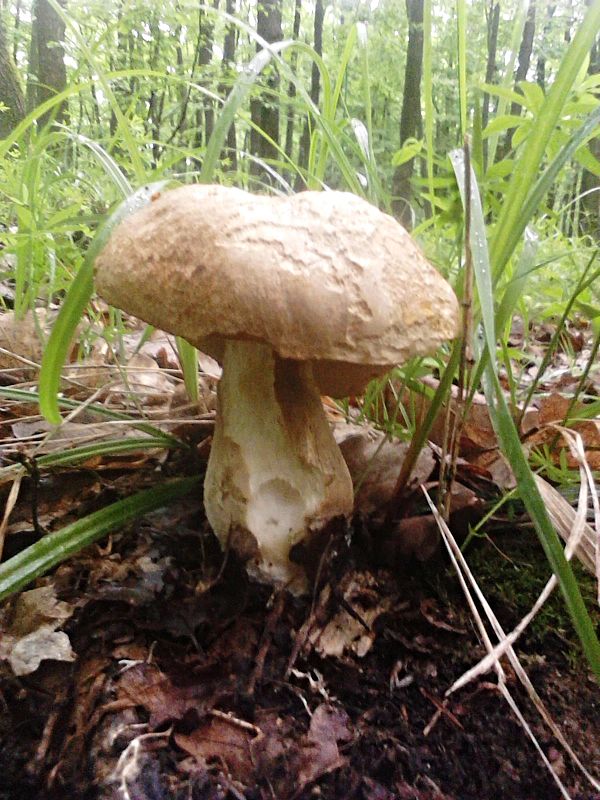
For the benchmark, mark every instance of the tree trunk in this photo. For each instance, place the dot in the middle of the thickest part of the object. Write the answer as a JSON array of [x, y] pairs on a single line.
[[16, 29], [590, 183], [156, 99], [523, 62], [410, 118], [229, 45], [116, 60], [289, 131], [11, 94], [541, 62], [205, 117], [524, 58], [493, 20], [315, 86], [265, 111], [47, 72]]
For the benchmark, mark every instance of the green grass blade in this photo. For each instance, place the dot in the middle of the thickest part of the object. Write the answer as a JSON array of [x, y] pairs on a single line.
[[122, 123], [59, 341], [516, 286], [479, 250], [461, 21], [584, 282], [428, 95], [505, 93], [551, 544], [528, 164], [108, 163], [341, 75], [419, 439], [56, 547], [511, 446], [77, 88], [545, 183], [24, 396], [236, 97], [76, 455], [74, 304], [188, 358]]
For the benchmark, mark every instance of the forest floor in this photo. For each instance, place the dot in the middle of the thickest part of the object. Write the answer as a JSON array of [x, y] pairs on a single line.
[[184, 682], [175, 676]]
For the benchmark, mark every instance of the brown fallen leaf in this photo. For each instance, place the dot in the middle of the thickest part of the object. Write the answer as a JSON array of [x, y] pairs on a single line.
[[563, 517], [320, 753], [145, 383], [374, 463], [145, 685], [552, 410], [225, 742], [29, 631], [21, 342], [351, 629], [290, 762]]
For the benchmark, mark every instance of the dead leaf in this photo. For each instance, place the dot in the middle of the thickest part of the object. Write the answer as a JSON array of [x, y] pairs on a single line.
[[145, 685], [222, 741], [36, 607], [552, 409], [352, 627], [411, 537], [563, 517], [290, 764], [497, 467], [20, 342], [26, 654], [374, 463], [320, 753], [32, 636], [145, 383], [92, 372]]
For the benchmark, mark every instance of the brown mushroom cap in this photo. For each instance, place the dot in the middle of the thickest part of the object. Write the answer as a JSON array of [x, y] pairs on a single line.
[[320, 276]]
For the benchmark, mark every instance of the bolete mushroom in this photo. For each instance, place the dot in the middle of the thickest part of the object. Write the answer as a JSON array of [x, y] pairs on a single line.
[[296, 296]]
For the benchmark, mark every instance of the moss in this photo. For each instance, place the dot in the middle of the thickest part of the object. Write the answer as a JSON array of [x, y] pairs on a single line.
[[512, 571]]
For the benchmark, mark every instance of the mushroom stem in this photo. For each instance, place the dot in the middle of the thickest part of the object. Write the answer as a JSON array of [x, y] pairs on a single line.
[[275, 474]]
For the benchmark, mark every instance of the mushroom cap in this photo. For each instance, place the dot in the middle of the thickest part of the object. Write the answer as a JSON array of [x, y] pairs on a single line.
[[321, 276]]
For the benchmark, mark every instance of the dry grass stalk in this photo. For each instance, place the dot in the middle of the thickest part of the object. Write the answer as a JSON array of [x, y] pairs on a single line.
[[466, 577]]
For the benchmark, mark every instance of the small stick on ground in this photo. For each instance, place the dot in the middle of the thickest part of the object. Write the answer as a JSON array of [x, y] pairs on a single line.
[[272, 620]]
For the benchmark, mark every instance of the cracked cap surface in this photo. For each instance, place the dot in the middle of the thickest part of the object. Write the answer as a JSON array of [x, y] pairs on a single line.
[[320, 276]]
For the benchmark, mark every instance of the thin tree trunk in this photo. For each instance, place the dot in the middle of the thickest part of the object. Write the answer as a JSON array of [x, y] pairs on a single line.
[[315, 86], [229, 45], [16, 29], [155, 101], [265, 111], [523, 62], [410, 118], [47, 71], [205, 116], [493, 20], [525, 50], [289, 131], [541, 62], [11, 94], [590, 183], [121, 48]]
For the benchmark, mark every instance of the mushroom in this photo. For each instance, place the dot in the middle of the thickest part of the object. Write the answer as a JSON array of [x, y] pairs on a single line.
[[296, 296]]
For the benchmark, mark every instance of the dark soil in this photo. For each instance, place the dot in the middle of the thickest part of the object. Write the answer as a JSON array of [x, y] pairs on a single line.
[[183, 686]]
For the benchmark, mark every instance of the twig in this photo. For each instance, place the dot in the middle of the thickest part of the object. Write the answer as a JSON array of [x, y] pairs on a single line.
[[272, 620]]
